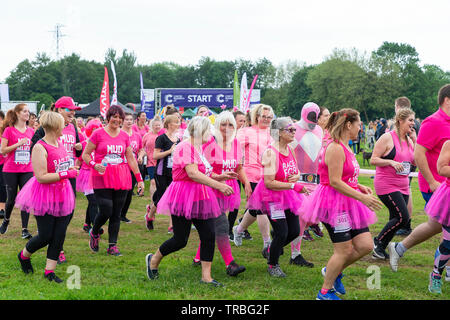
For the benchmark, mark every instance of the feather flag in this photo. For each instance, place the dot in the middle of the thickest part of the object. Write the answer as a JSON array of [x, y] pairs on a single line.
[[142, 91], [114, 97], [236, 90], [247, 107], [243, 93], [104, 96]]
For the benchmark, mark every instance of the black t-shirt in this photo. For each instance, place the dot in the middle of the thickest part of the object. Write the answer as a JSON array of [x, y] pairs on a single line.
[[164, 165]]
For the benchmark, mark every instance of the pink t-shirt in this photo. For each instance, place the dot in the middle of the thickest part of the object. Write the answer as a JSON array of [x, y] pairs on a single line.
[[68, 140], [85, 166], [185, 154], [434, 131], [221, 160], [136, 143], [18, 160], [149, 145], [142, 131], [111, 149], [254, 141]]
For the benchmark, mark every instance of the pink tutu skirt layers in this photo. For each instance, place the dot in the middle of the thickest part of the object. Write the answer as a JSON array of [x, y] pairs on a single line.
[[438, 206]]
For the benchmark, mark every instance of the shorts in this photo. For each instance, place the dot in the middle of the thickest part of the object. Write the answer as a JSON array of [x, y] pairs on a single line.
[[151, 172], [343, 236]]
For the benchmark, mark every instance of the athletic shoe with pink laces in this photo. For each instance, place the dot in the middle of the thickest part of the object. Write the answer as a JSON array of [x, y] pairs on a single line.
[[148, 221], [93, 241], [61, 258], [114, 251]]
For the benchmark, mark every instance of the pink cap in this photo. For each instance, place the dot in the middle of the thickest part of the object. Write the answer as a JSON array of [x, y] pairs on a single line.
[[310, 112], [66, 102]]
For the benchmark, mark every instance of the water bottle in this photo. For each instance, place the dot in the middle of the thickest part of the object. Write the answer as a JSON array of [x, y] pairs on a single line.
[[105, 164]]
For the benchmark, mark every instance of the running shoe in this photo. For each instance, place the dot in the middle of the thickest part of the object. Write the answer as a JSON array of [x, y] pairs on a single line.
[[4, 226], [330, 295], [231, 236], [300, 261], [234, 269], [265, 252], [61, 258], [307, 236], [152, 274], [447, 273], [52, 277], [114, 251], [86, 228], [394, 257], [275, 271], [170, 230], [237, 236], [247, 235], [93, 241], [196, 263], [378, 251], [25, 264], [213, 283], [316, 231], [403, 232], [435, 283], [338, 286], [125, 219], [2, 214], [26, 234]]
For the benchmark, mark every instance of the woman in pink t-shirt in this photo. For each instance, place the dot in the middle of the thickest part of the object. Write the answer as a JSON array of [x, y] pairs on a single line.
[[48, 196], [190, 199], [17, 169], [138, 152], [110, 176], [149, 146], [2, 181]]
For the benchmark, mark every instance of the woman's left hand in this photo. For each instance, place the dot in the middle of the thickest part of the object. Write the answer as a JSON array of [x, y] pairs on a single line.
[[364, 189], [248, 190]]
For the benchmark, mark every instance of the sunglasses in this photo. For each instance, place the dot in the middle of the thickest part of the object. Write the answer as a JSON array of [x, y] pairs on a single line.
[[290, 130]]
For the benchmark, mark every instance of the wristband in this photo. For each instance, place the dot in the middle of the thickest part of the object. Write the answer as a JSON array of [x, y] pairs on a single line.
[[298, 187], [138, 177], [92, 164], [68, 174]]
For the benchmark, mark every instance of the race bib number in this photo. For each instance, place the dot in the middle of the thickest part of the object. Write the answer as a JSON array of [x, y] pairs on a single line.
[[113, 159], [342, 223], [276, 212], [406, 169], [22, 156], [170, 162], [64, 166]]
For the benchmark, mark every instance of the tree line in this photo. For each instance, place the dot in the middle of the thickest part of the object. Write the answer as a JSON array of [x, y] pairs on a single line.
[[346, 78]]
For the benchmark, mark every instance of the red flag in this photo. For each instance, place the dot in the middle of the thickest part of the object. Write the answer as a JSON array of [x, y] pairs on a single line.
[[104, 96]]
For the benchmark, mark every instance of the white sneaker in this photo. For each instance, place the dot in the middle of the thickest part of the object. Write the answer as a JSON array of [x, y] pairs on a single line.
[[447, 273], [393, 256], [237, 237]]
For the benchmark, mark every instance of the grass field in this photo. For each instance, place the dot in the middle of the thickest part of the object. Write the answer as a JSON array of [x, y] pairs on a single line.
[[107, 277]]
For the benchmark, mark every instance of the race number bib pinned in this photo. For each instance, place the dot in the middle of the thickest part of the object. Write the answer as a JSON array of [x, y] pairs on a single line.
[[406, 169], [342, 223], [63, 166], [113, 159], [22, 156], [276, 211]]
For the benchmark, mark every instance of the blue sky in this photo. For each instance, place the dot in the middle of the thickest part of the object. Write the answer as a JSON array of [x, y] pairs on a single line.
[[184, 31]]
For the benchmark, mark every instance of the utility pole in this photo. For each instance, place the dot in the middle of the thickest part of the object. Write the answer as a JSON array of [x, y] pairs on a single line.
[[58, 35]]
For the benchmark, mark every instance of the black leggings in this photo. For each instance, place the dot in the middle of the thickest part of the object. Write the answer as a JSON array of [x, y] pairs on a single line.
[[162, 183], [91, 210], [254, 213], [181, 231], [51, 232], [397, 203], [232, 215], [12, 181], [110, 203], [2, 186], [284, 231], [127, 203]]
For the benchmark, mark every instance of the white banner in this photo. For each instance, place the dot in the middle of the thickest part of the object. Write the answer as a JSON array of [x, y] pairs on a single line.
[[4, 92]]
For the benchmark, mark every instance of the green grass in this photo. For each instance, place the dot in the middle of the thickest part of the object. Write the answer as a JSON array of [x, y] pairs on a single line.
[[106, 277]]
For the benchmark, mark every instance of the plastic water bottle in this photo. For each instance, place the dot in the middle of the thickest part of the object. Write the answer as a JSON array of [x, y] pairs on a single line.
[[105, 164]]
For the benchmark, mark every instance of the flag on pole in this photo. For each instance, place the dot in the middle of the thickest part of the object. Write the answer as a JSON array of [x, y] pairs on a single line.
[[247, 108], [243, 93], [114, 97], [236, 90], [142, 91], [104, 96]]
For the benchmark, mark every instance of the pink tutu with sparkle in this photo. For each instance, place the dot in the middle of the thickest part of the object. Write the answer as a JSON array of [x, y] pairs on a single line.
[[262, 198], [84, 181], [190, 200], [327, 205], [232, 202], [56, 199], [438, 206], [117, 177]]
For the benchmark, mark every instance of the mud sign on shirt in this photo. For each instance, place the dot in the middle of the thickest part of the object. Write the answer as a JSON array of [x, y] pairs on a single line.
[[229, 165]]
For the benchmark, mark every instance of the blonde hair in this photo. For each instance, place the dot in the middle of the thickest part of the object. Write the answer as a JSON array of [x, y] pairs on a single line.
[[169, 119], [402, 115], [257, 111], [224, 116], [51, 121], [199, 127]]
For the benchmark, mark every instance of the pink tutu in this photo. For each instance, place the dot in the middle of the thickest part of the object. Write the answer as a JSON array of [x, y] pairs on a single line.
[[438, 206], [84, 181], [56, 199], [327, 205], [232, 202], [262, 199], [190, 200], [117, 177]]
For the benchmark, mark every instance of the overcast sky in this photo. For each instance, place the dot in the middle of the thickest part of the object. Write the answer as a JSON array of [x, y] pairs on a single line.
[[183, 31]]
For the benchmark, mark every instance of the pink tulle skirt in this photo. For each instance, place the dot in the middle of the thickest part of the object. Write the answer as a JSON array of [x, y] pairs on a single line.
[[190, 200], [117, 177], [327, 205], [232, 202], [83, 180], [56, 199], [263, 199], [438, 207]]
